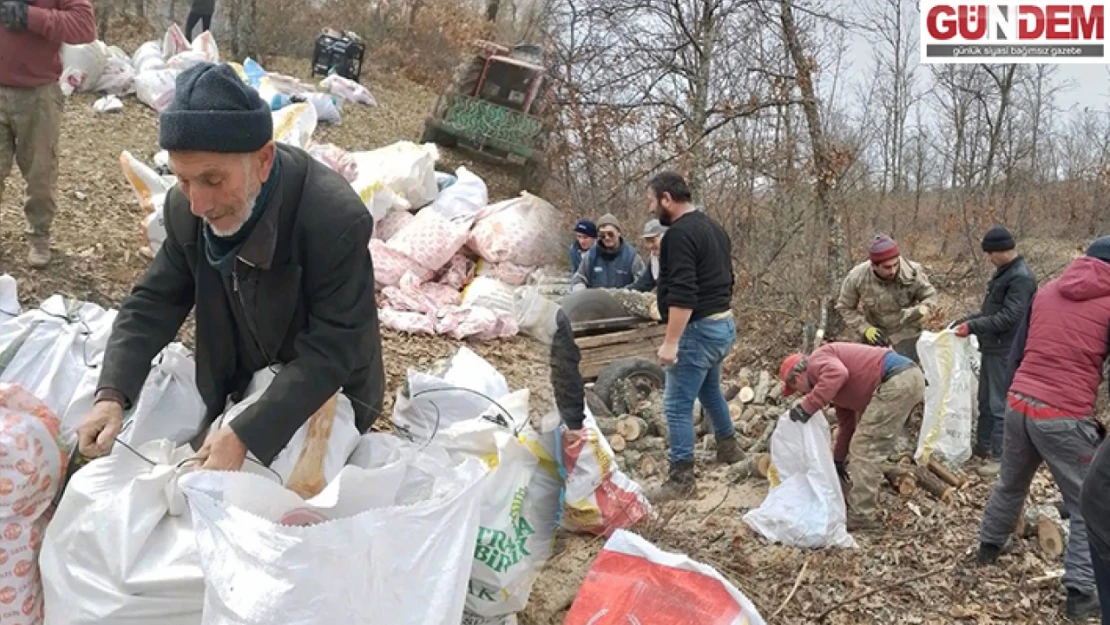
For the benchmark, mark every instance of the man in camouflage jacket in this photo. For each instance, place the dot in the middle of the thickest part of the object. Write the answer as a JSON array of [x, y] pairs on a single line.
[[885, 299]]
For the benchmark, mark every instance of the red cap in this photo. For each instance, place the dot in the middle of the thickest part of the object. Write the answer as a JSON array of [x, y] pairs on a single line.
[[786, 369], [883, 248]]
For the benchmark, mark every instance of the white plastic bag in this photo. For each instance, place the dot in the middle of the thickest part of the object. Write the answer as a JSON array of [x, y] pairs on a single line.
[[405, 168], [151, 190], [294, 124], [169, 406], [49, 350], [9, 298], [329, 108], [518, 511], [185, 60], [489, 293], [108, 104], [82, 66], [148, 57], [461, 201], [389, 545], [347, 89], [155, 87], [807, 508], [118, 77], [949, 363], [121, 548], [463, 391], [318, 450], [205, 44], [632, 581], [31, 465], [174, 42]]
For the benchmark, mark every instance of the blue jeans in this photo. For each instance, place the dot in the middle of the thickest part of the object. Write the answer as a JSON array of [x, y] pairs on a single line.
[[697, 374]]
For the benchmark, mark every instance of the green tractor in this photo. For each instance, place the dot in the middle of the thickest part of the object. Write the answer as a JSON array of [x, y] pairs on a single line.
[[495, 108]]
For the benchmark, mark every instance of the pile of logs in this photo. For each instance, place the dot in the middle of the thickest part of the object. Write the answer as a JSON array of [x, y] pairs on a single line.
[[934, 478]]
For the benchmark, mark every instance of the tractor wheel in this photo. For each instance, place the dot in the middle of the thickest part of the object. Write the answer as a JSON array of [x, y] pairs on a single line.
[[627, 382], [534, 176], [467, 75]]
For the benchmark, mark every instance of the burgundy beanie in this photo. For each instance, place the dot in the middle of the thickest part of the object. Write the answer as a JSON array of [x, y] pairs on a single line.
[[883, 248]]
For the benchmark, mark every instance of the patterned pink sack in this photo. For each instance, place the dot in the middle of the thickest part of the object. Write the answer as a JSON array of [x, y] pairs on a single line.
[[410, 322], [482, 323], [31, 465], [519, 231], [430, 240], [390, 265], [392, 223]]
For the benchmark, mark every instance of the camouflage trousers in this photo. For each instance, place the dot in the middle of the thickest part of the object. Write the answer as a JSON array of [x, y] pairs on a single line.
[[877, 434], [30, 125]]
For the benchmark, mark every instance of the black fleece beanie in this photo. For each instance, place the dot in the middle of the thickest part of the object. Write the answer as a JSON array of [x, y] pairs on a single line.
[[998, 239], [1100, 249], [214, 111]]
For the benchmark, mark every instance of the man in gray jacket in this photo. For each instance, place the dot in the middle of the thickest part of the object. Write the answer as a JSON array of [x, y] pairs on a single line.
[[269, 248], [1007, 299]]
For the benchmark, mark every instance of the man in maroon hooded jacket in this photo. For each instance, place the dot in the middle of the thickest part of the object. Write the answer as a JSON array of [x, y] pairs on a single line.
[[1057, 358], [31, 36]]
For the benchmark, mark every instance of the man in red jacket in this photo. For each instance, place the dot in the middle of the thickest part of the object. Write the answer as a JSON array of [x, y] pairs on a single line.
[[1057, 358], [31, 39], [877, 383]]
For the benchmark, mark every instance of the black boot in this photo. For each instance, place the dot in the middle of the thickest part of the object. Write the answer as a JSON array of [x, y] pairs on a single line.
[[680, 484], [1080, 605], [728, 450], [988, 554]]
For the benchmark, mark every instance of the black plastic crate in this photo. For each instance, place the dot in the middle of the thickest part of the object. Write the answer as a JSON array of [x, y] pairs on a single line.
[[342, 55]]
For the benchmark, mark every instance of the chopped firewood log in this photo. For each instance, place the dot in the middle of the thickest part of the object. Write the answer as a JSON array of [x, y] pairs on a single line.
[[631, 428], [950, 477], [902, 479], [935, 486], [616, 441]]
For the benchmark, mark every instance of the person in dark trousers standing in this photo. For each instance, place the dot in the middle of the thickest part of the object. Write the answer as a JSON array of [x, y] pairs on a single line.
[[268, 248], [1096, 513], [201, 12], [1008, 294], [695, 300], [1057, 358], [31, 102]]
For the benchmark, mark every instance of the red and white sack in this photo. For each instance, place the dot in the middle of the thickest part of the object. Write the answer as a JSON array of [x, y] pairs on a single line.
[[430, 239], [599, 498], [391, 224], [174, 42], [518, 231], [460, 323], [347, 89], [155, 87], [410, 322], [413, 295], [336, 158], [509, 273], [390, 265], [31, 465], [633, 581]]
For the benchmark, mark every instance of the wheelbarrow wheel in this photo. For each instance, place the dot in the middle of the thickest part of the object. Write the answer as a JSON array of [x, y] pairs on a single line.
[[628, 381]]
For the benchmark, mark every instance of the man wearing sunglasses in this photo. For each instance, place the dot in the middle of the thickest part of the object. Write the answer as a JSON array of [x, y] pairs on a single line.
[[611, 263]]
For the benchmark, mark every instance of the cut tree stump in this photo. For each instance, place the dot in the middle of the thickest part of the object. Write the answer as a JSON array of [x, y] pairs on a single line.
[[616, 441], [762, 388], [902, 479], [631, 428], [648, 465], [607, 425], [746, 395], [944, 473], [1049, 536], [648, 443], [935, 486]]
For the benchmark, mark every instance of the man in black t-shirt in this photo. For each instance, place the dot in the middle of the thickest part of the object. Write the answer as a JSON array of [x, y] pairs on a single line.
[[695, 295]]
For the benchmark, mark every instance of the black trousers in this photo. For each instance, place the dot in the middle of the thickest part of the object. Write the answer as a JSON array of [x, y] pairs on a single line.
[[191, 23]]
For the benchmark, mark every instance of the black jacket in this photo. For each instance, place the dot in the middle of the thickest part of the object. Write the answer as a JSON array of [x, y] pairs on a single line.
[[1008, 294], [301, 294]]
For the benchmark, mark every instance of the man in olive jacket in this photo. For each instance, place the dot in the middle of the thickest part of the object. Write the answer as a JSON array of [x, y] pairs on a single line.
[[1008, 295], [270, 249]]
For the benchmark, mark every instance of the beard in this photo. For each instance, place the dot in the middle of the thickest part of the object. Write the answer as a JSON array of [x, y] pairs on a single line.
[[662, 215], [244, 212]]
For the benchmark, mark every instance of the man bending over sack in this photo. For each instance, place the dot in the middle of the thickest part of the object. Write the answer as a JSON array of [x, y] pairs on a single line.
[[874, 384], [270, 248]]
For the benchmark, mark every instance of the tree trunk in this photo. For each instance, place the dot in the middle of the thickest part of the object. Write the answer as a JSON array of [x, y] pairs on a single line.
[[823, 166], [104, 11]]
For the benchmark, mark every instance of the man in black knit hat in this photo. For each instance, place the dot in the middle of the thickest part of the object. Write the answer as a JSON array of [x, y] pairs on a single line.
[[269, 247], [1007, 299]]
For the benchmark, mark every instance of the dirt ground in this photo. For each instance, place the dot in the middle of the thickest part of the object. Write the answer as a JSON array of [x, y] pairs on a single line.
[[916, 570]]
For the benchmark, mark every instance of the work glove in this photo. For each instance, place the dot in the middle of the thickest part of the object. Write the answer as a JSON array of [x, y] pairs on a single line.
[[799, 414], [842, 470], [875, 336], [13, 14]]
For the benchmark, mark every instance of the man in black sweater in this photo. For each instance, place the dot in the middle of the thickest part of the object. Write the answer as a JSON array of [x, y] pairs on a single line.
[[695, 296], [1008, 294]]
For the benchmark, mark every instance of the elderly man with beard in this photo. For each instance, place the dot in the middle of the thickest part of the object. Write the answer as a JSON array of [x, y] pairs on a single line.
[[695, 300], [269, 248]]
